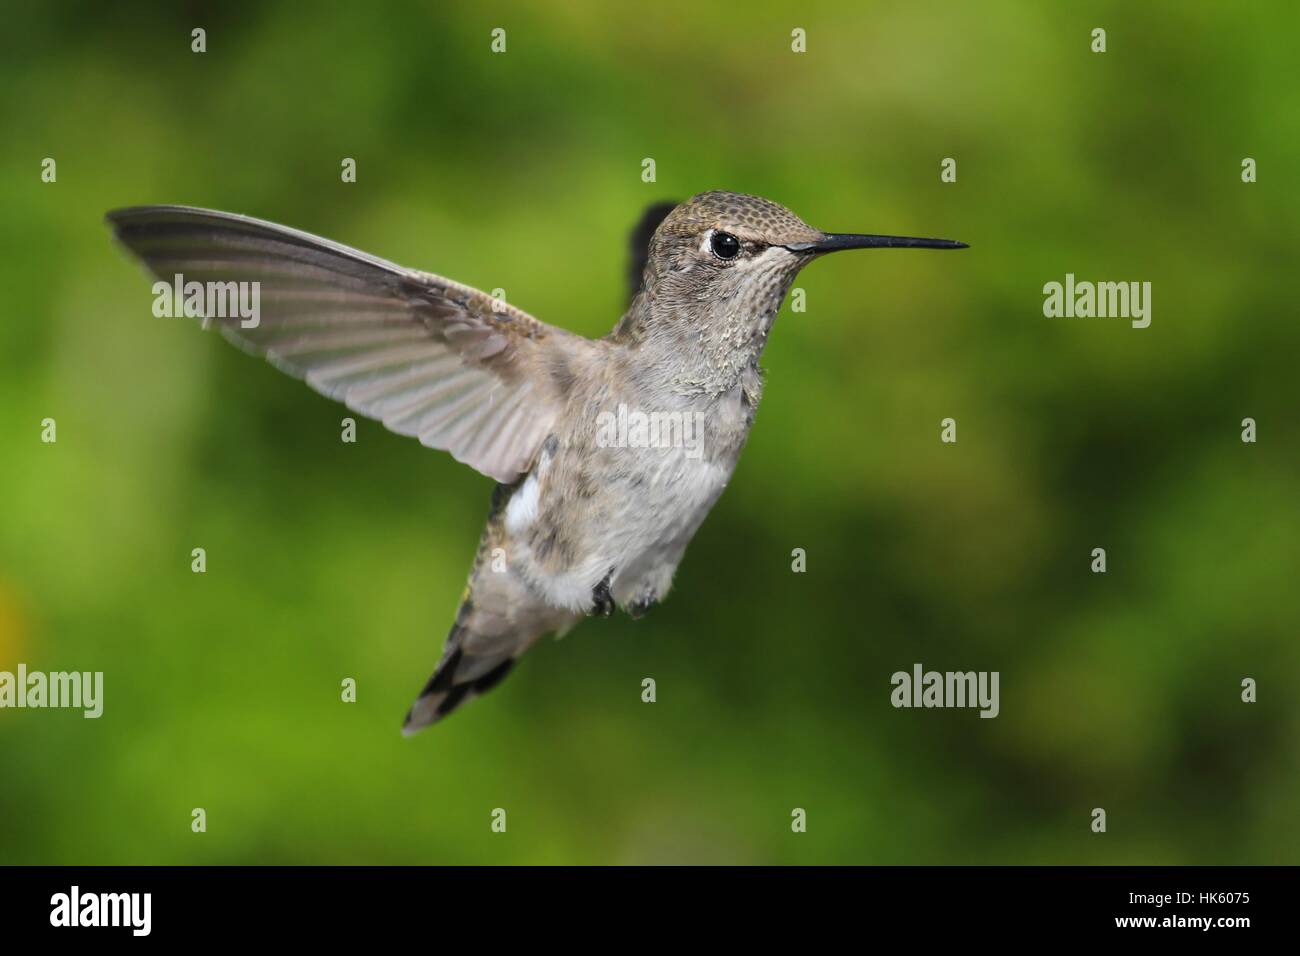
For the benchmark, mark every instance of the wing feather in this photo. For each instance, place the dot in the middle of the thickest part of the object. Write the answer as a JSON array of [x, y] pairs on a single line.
[[427, 356]]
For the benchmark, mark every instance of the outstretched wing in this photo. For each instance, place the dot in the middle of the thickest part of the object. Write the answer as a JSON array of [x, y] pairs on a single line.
[[426, 356]]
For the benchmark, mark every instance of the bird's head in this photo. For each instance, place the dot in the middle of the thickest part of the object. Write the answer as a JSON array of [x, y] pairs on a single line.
[[719, 265]]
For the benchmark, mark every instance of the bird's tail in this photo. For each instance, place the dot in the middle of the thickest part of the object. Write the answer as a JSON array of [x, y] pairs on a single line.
[[473, 662], [499, 618]]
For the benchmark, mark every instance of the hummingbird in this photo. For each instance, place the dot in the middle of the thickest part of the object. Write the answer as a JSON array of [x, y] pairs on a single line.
[[607, 453]]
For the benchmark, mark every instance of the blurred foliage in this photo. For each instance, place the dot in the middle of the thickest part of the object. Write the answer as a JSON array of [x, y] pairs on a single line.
[[522, 171]]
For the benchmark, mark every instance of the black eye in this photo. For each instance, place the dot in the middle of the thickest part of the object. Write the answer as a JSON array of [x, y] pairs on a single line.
[[725, 245]]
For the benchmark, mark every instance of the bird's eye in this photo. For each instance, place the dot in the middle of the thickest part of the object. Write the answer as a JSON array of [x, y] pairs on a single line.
[[725, 245]]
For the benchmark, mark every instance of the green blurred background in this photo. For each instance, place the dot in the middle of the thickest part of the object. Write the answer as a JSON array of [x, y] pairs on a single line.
[[522, 171]]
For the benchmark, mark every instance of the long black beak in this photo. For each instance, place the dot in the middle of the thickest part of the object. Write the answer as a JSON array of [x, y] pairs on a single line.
[[834, 241]]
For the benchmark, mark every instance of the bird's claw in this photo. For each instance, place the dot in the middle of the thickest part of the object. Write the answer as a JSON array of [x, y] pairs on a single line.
[[640, 606], [602, 602]]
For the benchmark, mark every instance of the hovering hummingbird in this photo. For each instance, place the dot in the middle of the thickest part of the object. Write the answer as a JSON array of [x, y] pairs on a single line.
[[585, 517]]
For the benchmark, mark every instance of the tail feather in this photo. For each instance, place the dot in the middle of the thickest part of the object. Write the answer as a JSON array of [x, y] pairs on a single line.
[[498, 620], [460, 677]]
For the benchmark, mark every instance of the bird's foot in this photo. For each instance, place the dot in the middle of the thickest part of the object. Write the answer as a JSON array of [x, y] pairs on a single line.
[[641, 605], [602, 602]]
